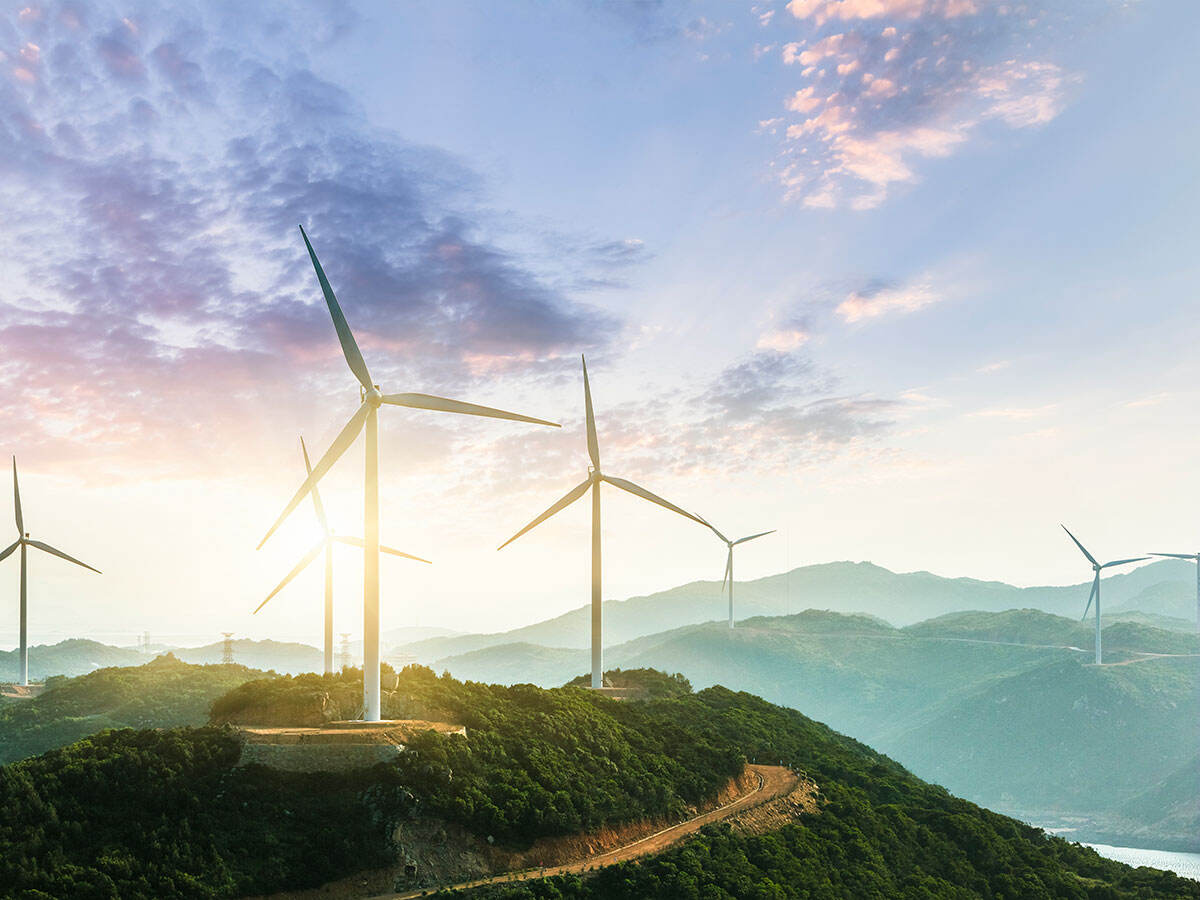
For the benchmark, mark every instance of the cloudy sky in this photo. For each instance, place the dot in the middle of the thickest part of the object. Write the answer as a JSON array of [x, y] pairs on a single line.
[[911, 281]]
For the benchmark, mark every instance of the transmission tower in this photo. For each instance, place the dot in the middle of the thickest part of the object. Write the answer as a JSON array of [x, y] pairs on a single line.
[[227, 649], [344, 653]]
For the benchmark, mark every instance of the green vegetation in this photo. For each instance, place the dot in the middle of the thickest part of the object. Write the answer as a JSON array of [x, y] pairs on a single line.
[[882, 833], [965, 700], [164, 693], [163, 814]]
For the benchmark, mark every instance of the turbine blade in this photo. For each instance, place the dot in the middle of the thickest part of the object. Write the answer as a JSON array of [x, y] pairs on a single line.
[[1092, 595], [1176, 555], [9, 549], [316, 493], [1091, 558], [638, 491], [359, 542], [713, 529], [592, 442], [349, 347], [1121, 562], [344, 439], [441, 404], [17, 501], [728, 569], [296, 570], [61, 555], [570, 497], [753, 536]]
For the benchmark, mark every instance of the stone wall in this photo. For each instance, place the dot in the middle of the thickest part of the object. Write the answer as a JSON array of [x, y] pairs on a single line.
[[318, 757]]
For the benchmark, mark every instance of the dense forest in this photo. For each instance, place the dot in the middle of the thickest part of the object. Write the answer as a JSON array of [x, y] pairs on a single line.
[[163, 693], [167, 813]]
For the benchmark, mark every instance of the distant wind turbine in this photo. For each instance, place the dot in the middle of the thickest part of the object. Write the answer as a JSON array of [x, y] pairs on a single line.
[[1095, 594], [729, 562], [23, 541], [595, 477], [366, 418], [326, 543], [1195, 557]]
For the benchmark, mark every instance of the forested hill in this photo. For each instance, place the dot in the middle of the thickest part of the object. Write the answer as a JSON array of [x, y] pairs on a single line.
[[163, 814], [163, 693]]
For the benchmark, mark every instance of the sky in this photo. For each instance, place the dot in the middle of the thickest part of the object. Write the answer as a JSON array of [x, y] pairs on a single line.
[[910, 281]]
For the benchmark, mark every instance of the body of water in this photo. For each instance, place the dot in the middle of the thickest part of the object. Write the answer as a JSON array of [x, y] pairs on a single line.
[[1185, 864]]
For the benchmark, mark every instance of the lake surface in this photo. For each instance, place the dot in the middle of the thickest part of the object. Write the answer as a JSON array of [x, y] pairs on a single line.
[[1185, 864]]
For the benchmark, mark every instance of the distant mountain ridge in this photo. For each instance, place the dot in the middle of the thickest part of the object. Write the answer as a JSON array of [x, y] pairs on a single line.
[[1169, 587]]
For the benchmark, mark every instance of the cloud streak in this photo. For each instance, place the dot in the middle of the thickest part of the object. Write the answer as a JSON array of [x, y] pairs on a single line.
[[886, 85]]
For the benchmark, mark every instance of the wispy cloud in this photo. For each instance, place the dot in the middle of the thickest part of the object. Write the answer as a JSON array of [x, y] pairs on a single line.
[[881, 299], [886, 84], [155, 165]]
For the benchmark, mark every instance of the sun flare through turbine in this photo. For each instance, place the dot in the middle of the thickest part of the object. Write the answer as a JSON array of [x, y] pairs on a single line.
[[366, 419]]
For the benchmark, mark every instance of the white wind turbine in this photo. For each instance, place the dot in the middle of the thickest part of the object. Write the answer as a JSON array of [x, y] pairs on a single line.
[[593, 481], [326, 543], [729, 561], [24, 541], [366, 419], [1195, 557], [1095, 594]]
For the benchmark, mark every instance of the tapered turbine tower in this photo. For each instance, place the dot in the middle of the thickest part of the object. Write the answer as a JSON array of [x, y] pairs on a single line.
[[366, 418], [326, 543], [24, 542], [1095, 594], [1195, 557], [729, 561], [593, 481]]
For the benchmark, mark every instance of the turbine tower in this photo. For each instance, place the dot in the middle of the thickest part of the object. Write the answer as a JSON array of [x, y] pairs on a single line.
[[1195, 557], [24, 542], [326, 543], [593, 481], [366, 418], [1095, 594], [729, 561]]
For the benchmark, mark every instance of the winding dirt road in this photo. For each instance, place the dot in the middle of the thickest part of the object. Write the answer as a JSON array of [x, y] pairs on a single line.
[[771, 782]]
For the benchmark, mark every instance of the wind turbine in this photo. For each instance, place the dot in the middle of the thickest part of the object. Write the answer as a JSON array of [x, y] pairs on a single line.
[[1095, 594], [593, 481], [366, 419], [1195, 557], [729, 561], [24, 541], [328, 538]]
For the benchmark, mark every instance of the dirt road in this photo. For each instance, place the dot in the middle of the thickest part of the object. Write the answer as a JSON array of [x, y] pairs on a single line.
[[771, 782]]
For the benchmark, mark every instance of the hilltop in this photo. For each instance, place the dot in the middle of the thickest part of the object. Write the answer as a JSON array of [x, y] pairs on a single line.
[[534, 764]]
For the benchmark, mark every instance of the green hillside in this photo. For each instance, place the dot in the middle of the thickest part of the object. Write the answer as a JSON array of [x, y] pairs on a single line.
[[963, 699], [165, 814], [164, 693]]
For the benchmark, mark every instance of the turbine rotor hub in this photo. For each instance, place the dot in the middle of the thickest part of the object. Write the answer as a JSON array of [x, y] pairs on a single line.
[[374, 396]]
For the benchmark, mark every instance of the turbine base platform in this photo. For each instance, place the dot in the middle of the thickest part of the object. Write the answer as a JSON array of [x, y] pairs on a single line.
[[334, 746]]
